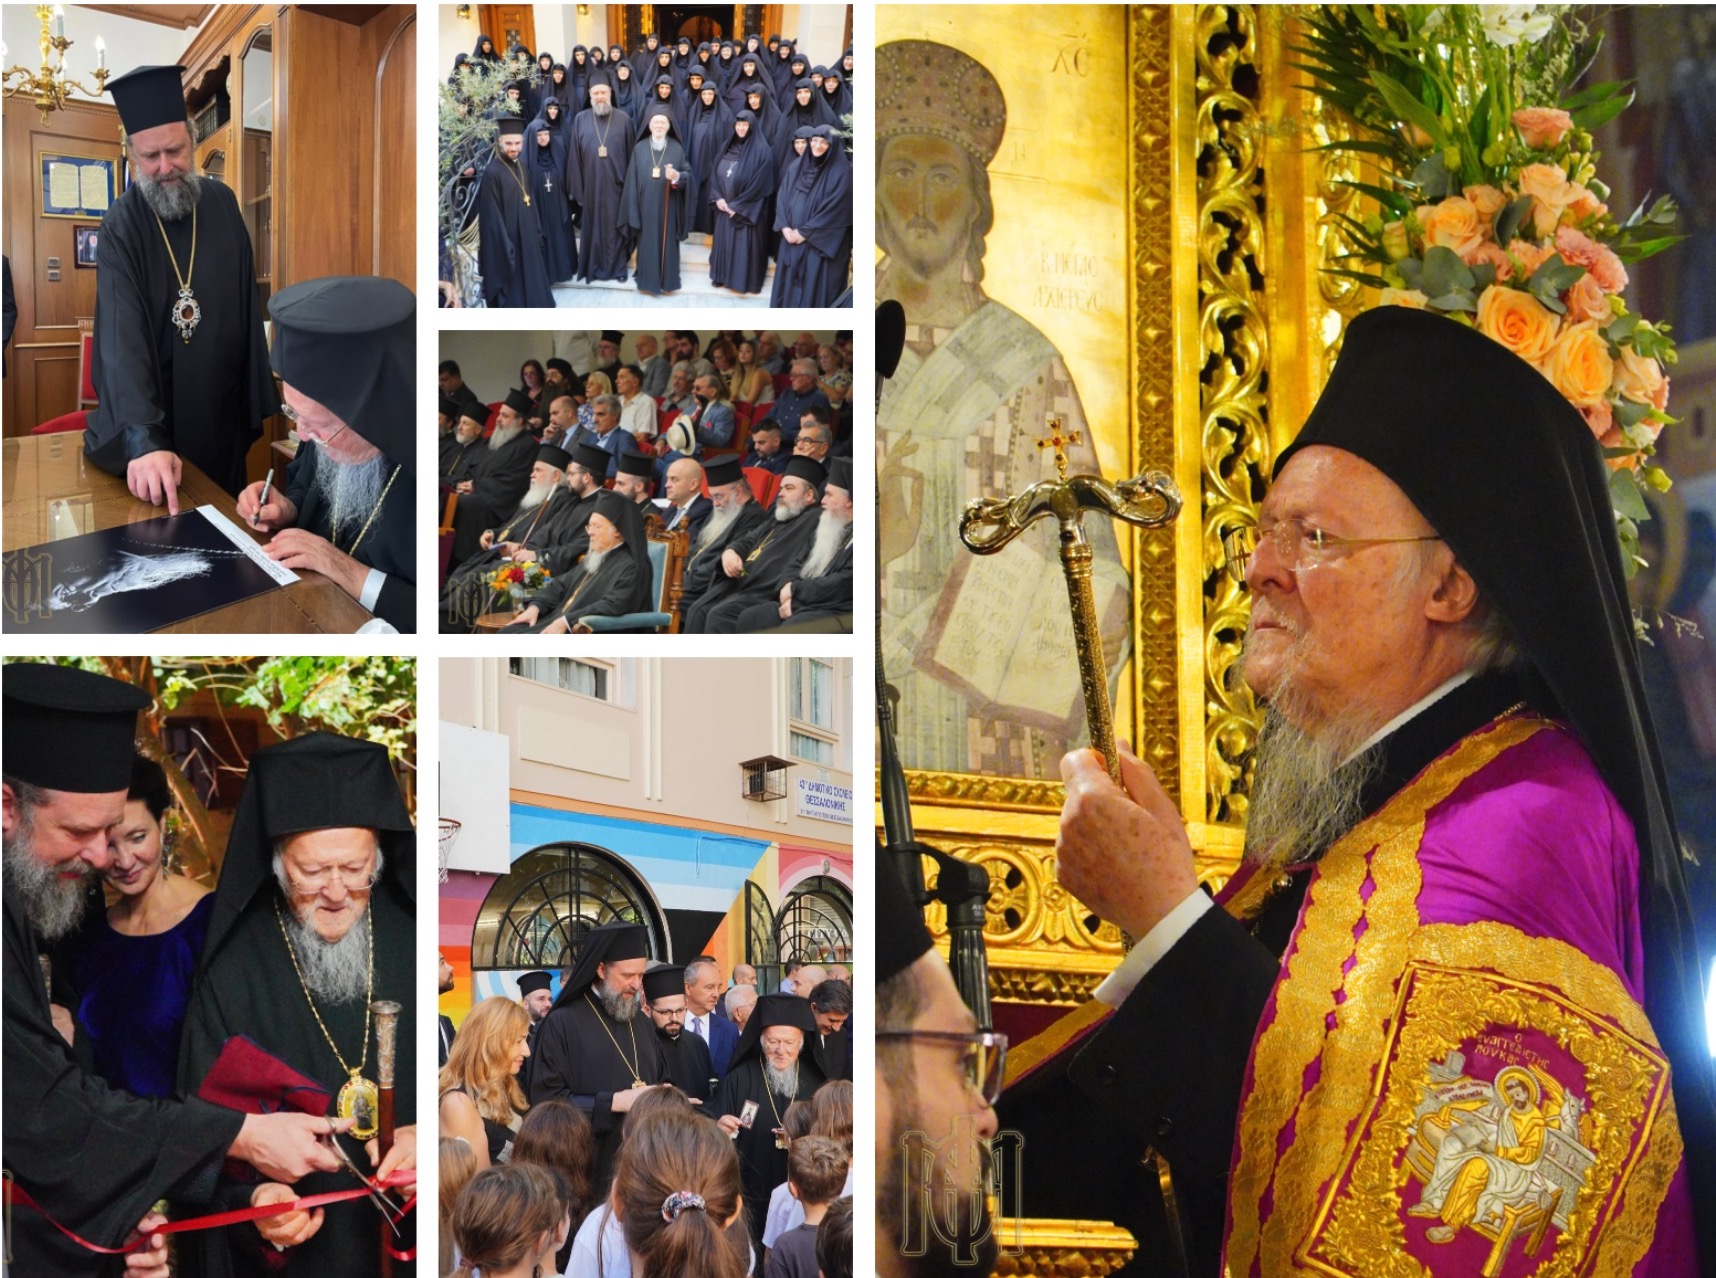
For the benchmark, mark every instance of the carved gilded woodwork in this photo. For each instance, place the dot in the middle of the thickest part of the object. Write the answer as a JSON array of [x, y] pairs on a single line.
[[1043, 1247]]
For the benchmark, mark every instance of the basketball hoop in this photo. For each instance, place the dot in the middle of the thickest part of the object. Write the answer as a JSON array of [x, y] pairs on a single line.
[[449, 835]]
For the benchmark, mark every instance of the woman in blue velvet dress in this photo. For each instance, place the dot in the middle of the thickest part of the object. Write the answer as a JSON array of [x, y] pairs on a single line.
[[131, 965]]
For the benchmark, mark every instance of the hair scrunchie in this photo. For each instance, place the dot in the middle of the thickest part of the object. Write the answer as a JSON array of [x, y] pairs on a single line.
[[675, 1203]]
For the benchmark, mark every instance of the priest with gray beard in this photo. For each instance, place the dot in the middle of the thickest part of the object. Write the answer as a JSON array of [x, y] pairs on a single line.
[[816, 597], [736, 513], [501, 477], [593, 1048], [596, 158], [314, 919], [770, 1069], [345, 348], [182, 373]]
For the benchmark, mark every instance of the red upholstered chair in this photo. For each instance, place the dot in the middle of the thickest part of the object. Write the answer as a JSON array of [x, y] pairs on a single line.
[[782, 381], [762, 484], [444, 534], [86, 364], [743, 412], [63, 423], [494, 415]]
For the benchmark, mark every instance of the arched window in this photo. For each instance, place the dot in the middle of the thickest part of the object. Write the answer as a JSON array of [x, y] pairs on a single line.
[[536, 916], [815, 923]]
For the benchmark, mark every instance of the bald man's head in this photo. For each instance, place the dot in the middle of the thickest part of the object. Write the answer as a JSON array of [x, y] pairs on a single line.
[[684, 481]]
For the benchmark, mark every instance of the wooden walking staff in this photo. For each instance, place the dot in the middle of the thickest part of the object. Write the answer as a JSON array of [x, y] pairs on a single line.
[[386, 1014], [1149, 500]]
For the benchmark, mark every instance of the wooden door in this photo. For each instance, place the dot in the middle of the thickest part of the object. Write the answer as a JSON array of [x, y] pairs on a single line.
[[509, 24]]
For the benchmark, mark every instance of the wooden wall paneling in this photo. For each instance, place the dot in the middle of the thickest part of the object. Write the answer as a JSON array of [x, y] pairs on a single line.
[[393, 242], [317, 197], [48, 312]]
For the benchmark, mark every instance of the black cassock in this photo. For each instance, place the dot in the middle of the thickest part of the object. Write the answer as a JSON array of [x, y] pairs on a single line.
[[654, 211], [204, 399], [249, 988], [510, 252], [96, 1159], [708, 130], [770, 553], [585, 1056], [815, 600], [688, 1065], [744, 176], [761, 1165], [616, 588], [455, 458], [466, 596], [387, 544], [704, 566], [546, 166], [816, 201], [596, 162], [502, 477]]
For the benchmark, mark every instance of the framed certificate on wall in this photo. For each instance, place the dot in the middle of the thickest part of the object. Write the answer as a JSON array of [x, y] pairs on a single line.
[[76, 186]]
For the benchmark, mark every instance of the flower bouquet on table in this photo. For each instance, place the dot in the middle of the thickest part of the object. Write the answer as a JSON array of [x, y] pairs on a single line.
[[1489, 208], [518, 581]]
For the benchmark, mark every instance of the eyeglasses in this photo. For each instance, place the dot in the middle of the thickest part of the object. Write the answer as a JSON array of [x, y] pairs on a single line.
[[296, 418], [1297, 545], [351, 880], [983, 1056]]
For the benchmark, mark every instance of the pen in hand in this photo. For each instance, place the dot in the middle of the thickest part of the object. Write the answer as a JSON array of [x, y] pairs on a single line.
[[262, 501]]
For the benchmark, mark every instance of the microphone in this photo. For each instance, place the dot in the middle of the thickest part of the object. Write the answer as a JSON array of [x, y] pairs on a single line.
[[890, 341]]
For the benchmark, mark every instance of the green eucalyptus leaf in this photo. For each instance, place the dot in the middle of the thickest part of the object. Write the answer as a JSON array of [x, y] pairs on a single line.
[[1432, 178], [1598, 114], [1624, 493], [1508, 220]]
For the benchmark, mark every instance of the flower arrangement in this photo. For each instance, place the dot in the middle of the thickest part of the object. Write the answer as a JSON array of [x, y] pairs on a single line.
[[1489, 207], [519, 580]]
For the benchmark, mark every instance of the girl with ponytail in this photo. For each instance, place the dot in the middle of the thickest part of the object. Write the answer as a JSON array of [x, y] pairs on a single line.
[[676, 1193], [508, 1222]]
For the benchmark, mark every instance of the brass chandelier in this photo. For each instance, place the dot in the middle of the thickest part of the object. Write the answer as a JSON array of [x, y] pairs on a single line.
[[49, 87]]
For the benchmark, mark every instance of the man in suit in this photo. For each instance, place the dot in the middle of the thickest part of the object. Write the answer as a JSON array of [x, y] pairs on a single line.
[[743, 974], [445, 1029], [535, 993], [702, 988], [831, 1004], [688, 507]]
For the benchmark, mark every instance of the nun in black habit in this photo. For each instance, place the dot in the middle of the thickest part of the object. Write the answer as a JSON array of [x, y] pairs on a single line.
[[750, 76], [753, 1097], [545, 162], [780, 69], [660, 189], [628, 96], [350, 344], [807, 111], [741, 195], [710, 124], [578, 76], [249, 987], [797, 69], [814, 217], [663, 94], [612, 580], [510, 254], [560, 89], [663, 64], [588, 1055], [760, 104], [836, 93], [170, 382], [484, 55]]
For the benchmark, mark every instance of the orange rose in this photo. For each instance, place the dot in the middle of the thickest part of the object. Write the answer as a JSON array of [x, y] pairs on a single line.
[[1542, 127], [1580, 249], [1528, 255], [1488, 252], [1612, 438], [1410, 298], [1600, 417], [1452, 224], [1579, 365], [1519, 322], [1639, 378], [1487, 200], [1587, 301], [1550, 192], [1585, 204]]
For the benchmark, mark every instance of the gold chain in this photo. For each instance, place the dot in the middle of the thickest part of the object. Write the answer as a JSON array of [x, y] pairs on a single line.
[[185, 279], [631, 1064], [368, 991], [352, 549], [523, 190]]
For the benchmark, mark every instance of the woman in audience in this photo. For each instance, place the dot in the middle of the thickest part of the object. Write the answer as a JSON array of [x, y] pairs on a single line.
[[481, 1100], [595, 384], [751, 381], [127, 969]]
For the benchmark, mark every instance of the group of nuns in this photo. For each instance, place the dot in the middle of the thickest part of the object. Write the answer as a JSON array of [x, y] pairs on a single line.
[[766, 142]]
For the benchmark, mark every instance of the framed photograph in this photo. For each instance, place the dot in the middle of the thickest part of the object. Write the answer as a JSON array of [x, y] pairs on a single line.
[[87, 237], [77, 186]]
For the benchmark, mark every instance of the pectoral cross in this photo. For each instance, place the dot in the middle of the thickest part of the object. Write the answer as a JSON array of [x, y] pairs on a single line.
[[1149, 500], [548, 184]]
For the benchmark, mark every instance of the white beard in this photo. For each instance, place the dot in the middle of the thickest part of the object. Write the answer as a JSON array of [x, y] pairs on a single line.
[[334, 971], [782, 1082], [602, 108], [537, 495], [786, 513], [831, 536], [593, 560], [503, 436], [53, 906], [715, 527], [351, 490]]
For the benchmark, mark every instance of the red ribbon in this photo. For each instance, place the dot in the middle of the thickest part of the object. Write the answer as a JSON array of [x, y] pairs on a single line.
[[15, 1193]]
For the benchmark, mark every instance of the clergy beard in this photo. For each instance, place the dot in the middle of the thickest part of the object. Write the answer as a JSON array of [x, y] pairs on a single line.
[[172, 201], [537, 495], [618, 1006], [53, 905], [831, 534], [782, 1082], [593, 560], [786, 512], [903, 1178], [334, 971], [503, 436], [602, 109], [715, 527], [351, 490]]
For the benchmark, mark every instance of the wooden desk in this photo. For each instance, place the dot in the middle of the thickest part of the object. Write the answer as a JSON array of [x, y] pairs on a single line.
[[40, 469]]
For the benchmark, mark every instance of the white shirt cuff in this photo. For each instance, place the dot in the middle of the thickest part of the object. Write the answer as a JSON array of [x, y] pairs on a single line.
[[1117, 987], [371, 591]]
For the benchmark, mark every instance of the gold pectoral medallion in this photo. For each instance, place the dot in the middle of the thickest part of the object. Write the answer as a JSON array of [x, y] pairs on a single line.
[[655, 171], [360, 1101], [637, 1083], [602, 152]]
